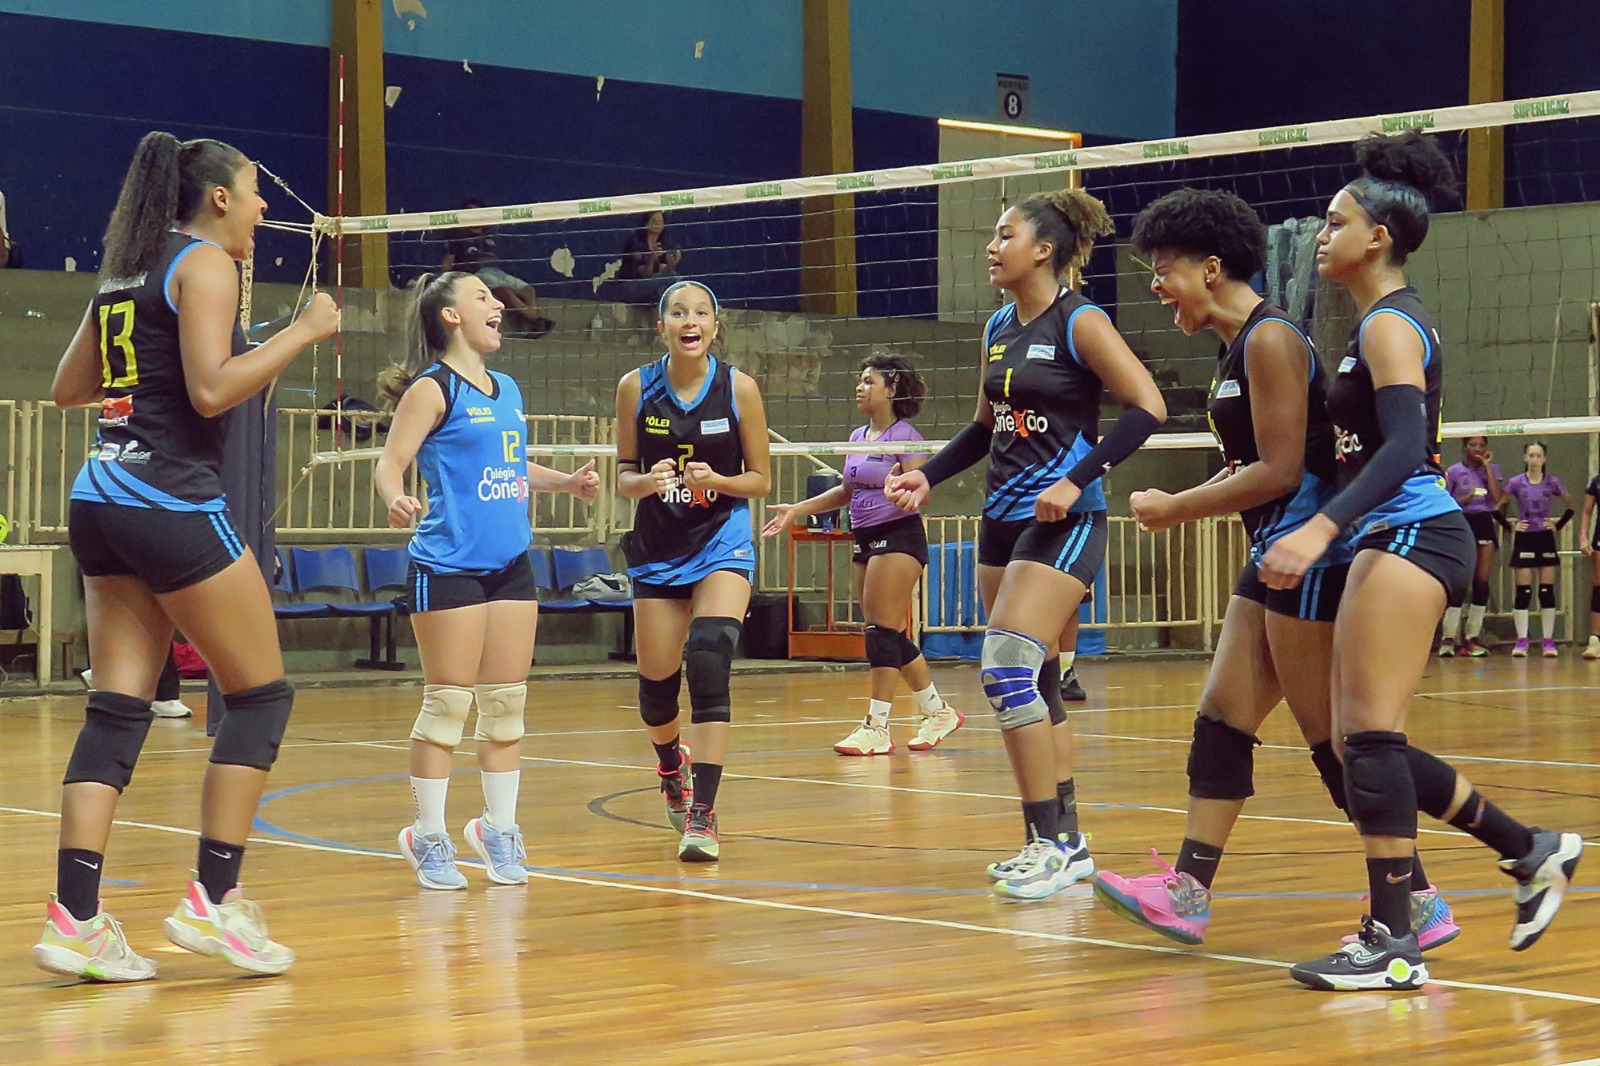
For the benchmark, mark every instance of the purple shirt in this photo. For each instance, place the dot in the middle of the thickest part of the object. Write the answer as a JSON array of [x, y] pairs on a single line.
[[1461, 477], [864, 475], [1533, 501]]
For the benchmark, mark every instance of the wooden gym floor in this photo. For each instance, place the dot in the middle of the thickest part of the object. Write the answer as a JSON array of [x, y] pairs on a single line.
[[849, 920]]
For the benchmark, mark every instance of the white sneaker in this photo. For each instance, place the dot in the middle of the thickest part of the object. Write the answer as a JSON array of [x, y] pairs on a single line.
[[170, 709], [935, 726], [87, 677], [1593, 650], [870, 738], [1045, 868]]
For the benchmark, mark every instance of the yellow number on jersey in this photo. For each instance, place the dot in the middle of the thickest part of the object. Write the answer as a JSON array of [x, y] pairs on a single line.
[[110, 378], [511, 440], [688, 453]]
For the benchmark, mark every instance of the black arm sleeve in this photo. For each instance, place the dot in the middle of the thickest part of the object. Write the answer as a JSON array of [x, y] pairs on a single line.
[[1131, 429], [1564, 519], [1402, 416], [1500, 516], [964, 449]]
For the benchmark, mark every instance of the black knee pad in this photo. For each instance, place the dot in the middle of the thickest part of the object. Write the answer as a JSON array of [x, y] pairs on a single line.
[[1594, 600], [883, 648], [1433, 780], [1050, 689], [1331, 770], [658, 698], [707, 660], [1222, 761], [253, 725], [1524, 598], [1547, 597], [1480, 592], [909, 652], [1378, 788], [114, 728]]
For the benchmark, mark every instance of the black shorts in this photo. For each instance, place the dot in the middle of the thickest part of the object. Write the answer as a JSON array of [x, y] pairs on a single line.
[[643, 591], [167, 550], [1534, 549], [1484, 528], [1076, 545], [903, 536], [428, 589], [1315, 599], [1442, 545]]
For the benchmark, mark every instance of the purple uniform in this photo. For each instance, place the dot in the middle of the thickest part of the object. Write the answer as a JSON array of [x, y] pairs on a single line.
[[1461, 478], [864, 475], [1533, 501]]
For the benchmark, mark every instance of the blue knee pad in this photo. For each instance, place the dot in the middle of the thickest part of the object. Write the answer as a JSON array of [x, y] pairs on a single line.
[[707, 661], [883, 648], [108, 745], [658, 698], [1010, 675], [1377, 779], [252, 727]]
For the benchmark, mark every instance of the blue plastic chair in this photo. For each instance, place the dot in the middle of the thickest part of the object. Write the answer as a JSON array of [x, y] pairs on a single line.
[[285, 584]]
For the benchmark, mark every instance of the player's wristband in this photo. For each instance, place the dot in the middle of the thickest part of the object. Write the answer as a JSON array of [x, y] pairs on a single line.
[[1564, 519]]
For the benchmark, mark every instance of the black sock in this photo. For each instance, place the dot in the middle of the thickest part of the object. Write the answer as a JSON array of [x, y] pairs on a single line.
[[78, 881], [669, 755], [707, 776], [1042, 820], [219, 867], [1067, 793], [1419, 876], [1389, 882], [1199, 860], [1481, 819]]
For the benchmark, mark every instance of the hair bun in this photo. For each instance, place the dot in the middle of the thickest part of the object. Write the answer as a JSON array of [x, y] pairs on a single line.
[[1410, 158]]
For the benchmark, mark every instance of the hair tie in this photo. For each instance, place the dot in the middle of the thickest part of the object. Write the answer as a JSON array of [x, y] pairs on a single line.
[[661, 305]]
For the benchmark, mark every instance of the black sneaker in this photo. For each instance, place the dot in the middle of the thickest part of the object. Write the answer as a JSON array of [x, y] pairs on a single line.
[[1071, 691], [1373, 960], [677, 788], [1542, 876]]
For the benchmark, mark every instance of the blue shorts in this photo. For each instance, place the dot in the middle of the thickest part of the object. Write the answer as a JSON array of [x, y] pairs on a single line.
[[1443, 546], [1315, 599]]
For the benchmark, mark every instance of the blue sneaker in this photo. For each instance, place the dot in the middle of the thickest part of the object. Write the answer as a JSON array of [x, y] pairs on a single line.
[[501, 851], [432, 859]]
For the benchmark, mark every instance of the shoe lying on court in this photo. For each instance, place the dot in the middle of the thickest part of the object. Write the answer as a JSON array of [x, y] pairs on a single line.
[[1542, 877], [1175, 905], [233, 930], [869, 738], [1374, 960], [1071, 689], [1431, 920], [95, 950], [1045, 867], [1593, 650], [677, 789], [1447, 649], [502, 851], [432, 859], [170, 709], [699, 842], [1519, 650], [934, 727]]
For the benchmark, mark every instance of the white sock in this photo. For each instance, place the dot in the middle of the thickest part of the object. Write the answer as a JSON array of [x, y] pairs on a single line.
[[428, 794], [1066, 661], [1475, 620], [1452, 622], [500, 797], [1547, 622], [930, 699], [1521, 618], [878, 711]]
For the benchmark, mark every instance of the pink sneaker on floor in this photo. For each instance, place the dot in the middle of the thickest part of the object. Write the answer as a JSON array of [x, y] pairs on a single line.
[[1172, 904], [1431, 920], [1519, 650], [1549, 648]]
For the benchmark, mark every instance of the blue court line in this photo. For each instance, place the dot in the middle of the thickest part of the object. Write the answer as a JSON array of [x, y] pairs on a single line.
[[119, 881]]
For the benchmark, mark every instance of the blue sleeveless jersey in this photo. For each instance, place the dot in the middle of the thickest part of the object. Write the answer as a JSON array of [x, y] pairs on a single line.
[[475, 464]]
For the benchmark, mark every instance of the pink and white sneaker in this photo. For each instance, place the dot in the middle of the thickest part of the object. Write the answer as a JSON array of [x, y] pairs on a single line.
[[233, 930], [1550, 648], [1431, 920], [1172, 904], [1519, 650]]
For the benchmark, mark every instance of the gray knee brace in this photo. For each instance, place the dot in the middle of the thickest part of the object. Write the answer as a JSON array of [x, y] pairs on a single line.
[[1010, 675], [708, 660], [114, 728]]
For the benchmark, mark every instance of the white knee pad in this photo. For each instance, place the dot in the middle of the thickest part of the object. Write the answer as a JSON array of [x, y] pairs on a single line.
[[444, 715], [1010, 674], [500, 712]]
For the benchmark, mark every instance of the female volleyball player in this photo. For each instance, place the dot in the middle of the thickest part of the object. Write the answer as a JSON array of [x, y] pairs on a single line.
[[1533, 545], [1591, 547], [472, 596], [1414, 554], [692, 449], [1475, 483], [161, 351], [1047, 357], [891, 551], [1269, 411]]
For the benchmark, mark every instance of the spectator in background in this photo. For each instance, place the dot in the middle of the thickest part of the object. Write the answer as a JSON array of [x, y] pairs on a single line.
[[473, 251], [649, 262]]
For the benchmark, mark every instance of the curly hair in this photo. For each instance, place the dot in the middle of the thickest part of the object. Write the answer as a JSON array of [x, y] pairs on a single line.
[[1203, 223], [1401, 173], [905, 385], [1070, 220]]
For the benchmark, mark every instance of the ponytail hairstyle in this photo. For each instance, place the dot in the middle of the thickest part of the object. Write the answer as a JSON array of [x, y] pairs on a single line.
[[426, 336], [1543, 447], [166, 184], [1401, 172], [902, 379], [1070, 220]]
